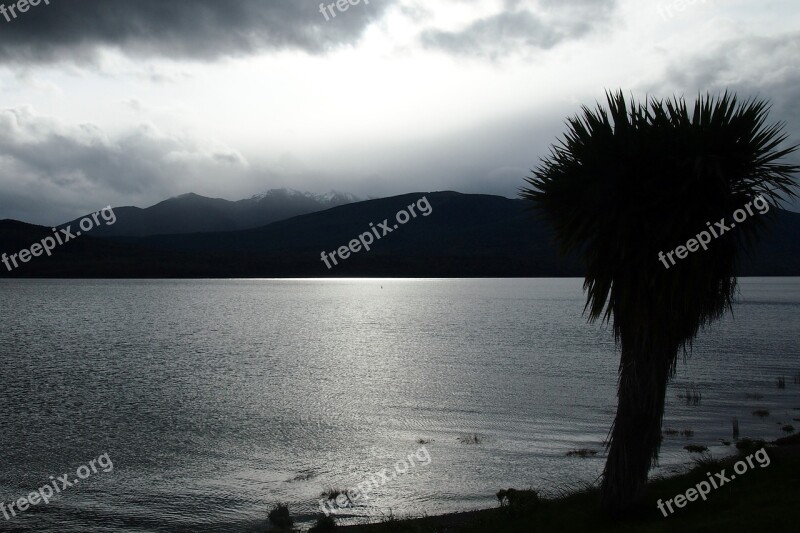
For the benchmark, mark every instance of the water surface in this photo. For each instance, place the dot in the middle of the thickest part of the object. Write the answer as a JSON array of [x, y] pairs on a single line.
[[216, 399]]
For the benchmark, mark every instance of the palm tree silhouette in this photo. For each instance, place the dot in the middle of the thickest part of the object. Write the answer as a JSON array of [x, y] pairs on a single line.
[[622, 186]]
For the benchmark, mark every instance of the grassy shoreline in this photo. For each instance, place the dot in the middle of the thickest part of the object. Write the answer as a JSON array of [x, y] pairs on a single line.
[[760, 499]]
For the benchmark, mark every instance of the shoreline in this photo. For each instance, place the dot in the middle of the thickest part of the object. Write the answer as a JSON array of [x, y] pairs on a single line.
[[578, 511]]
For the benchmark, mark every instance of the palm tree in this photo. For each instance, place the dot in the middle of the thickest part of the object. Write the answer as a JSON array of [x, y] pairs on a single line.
[[628, 183]]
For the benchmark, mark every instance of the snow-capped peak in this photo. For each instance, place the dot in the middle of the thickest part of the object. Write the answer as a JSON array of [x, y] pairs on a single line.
[[331, 198]]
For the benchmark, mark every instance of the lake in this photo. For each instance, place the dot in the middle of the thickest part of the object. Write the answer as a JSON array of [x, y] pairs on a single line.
[[215, 399]]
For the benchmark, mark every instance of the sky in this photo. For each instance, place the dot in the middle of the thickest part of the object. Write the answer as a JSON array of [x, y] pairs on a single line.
[[130, 102]]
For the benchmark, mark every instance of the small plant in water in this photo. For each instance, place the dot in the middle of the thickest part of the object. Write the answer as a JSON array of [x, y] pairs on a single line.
[[304, 476], [582, 452], [695, 448], [692, 396], [747, 444], [754, 396], [279, 516], [324, 524], [670, 431], [688, 433], [424, 441], [333, 493], [735, 423], [788, 428], [781, 383], [470, 439], [761, 413]]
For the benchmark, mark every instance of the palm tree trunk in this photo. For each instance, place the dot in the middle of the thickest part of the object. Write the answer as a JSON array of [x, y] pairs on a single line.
[[636, 434]]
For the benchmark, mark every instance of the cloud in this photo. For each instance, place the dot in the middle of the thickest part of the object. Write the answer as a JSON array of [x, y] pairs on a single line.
[[522, 26], [763, 67], [202, 30], [75, 168]]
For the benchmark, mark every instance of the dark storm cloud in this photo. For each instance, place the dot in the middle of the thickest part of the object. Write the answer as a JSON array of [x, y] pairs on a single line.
[[496, 35], [196, 29], [71, 169], [521, 26], [764, 67], [82, 155]]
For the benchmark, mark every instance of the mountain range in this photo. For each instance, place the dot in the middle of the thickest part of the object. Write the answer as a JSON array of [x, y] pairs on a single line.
[[192, 213], [464, 235]]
